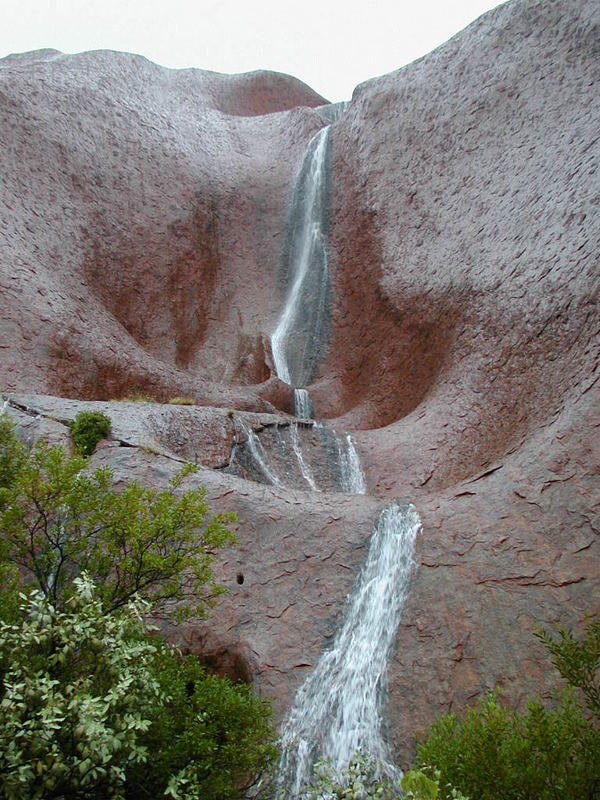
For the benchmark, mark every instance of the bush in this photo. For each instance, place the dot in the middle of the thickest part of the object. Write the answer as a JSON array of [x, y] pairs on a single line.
[[578, 661], [57, 521], [92, 707], [76, 689], [87, 429], [360, 780], [211, 738], [493, 753]]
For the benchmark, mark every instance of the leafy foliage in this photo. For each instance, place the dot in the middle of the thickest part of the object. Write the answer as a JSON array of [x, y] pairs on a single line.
[[76, 689], [211, 736], [57, 521], [87, 429], [92, 707], [493, 753], [578, 661], [417, 784], [361, 781]]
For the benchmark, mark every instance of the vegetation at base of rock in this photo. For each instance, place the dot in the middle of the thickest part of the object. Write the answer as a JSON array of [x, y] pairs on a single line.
[[210, 738], [87, 429], [57, 520], [361, 780], [76, 690], [494, 753], [92, 707], [578, 661]]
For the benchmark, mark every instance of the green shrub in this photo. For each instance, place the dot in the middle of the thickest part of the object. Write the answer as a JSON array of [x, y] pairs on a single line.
[[57, 521], [76, 691], [360, 780], [494, 753], [93, 707], [578, 661], [87, 429], [210, 738]]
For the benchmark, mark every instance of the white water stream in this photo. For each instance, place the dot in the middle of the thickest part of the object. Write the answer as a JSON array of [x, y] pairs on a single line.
[[303, 407], [258, 453], [296, 339], [337, 710], [305, 469], [353, 478]]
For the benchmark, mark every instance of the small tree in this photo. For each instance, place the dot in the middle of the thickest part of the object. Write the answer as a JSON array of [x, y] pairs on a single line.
[[76, 690], [494, 753], [57, 521]]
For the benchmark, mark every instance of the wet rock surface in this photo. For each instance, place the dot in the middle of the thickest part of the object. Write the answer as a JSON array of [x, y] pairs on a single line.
[[142, 214]]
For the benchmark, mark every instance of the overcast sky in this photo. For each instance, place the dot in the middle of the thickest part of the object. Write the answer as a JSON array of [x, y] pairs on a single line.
[[330, 45]]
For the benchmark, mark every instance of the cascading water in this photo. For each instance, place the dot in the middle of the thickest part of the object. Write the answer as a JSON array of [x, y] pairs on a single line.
[[258, 454], [303, 407], [300, 337], [306, 473], [337, 710], [353, 479]]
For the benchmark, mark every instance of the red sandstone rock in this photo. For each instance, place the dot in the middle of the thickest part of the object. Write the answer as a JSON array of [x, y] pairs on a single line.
[[142, 214]]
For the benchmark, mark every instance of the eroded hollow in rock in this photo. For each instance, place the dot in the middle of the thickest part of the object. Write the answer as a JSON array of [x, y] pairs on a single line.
[[230, 661]]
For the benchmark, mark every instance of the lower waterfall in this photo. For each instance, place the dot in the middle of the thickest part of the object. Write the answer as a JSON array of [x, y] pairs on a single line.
[[337, 710]]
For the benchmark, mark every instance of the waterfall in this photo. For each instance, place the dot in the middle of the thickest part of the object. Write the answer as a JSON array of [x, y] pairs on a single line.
[[300, 337], [303, 407], [353, 479], [337, 710], [258, 454], [306, 473], [298, 455]]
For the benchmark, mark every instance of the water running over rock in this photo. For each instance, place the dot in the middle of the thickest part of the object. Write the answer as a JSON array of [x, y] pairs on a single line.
[[298, 342], [301, 455], [338, 709], [257, 454], [303, 407]]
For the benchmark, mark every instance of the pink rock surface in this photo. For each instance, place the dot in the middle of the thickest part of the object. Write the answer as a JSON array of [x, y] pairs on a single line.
[[142, 216]]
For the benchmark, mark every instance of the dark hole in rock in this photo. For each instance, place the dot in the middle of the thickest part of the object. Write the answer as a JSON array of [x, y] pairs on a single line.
[[240, 578]]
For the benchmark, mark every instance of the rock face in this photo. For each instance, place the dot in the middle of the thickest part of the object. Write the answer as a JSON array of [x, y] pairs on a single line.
[[142, 215], [140, 218]]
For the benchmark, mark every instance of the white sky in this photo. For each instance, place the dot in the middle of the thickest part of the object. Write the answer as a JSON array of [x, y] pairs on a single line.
[[329, 44]]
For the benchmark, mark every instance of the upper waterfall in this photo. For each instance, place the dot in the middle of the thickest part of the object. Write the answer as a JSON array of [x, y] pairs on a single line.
[[301, 336]]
